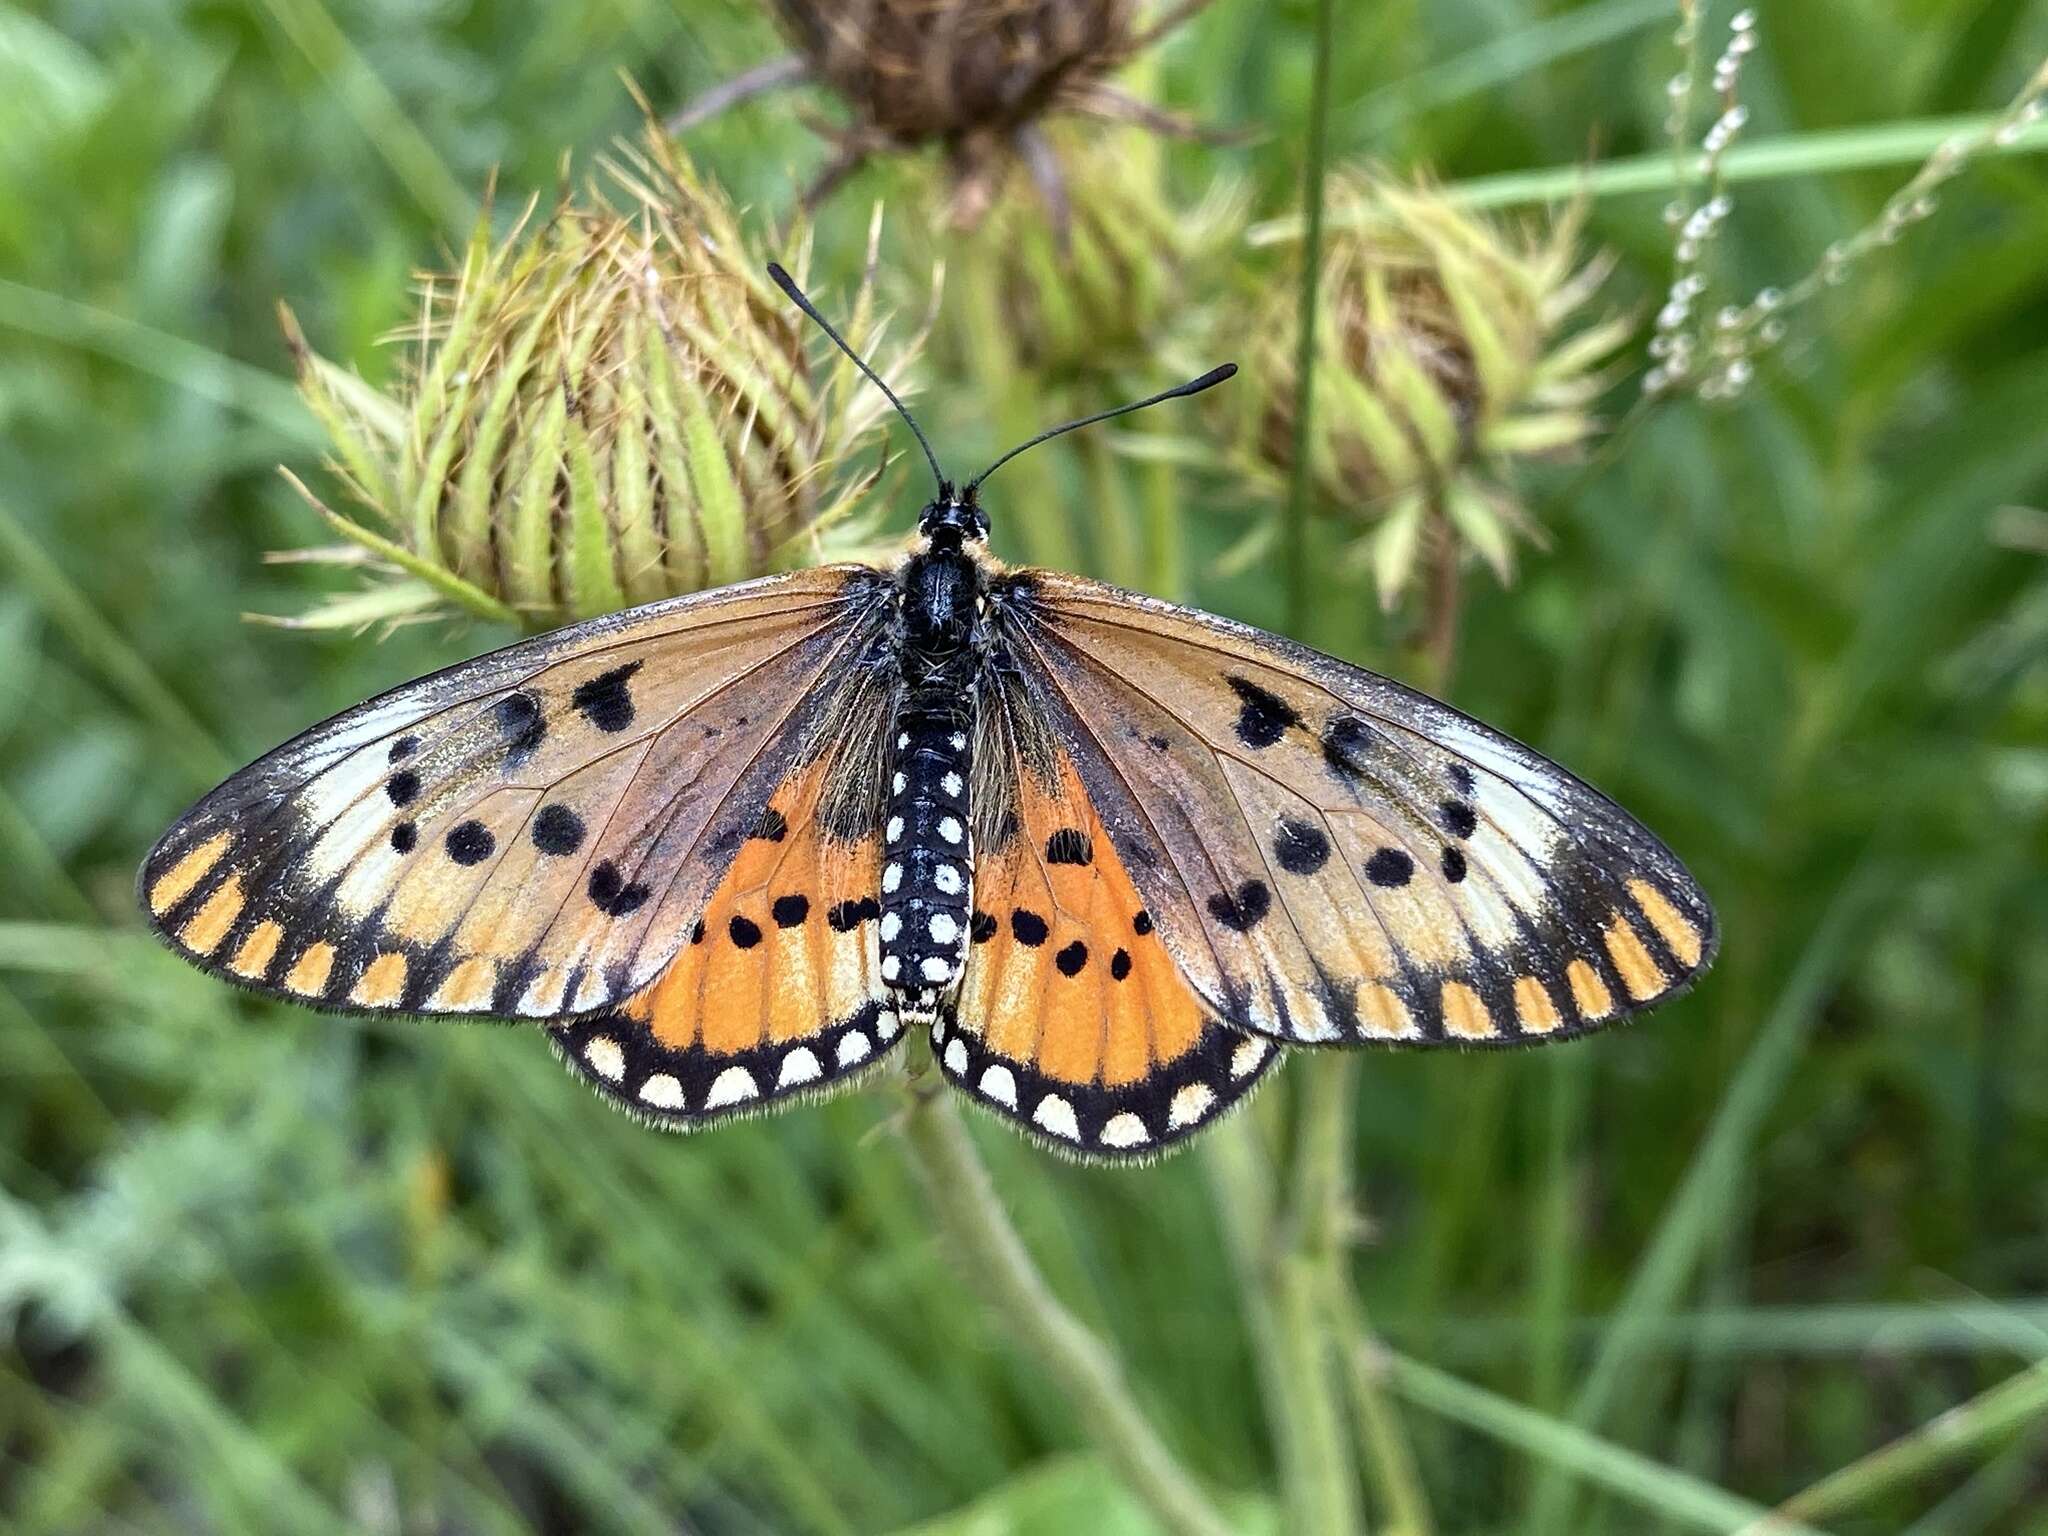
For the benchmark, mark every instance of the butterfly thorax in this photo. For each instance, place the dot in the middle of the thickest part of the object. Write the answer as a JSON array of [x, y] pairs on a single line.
[[927, 839]]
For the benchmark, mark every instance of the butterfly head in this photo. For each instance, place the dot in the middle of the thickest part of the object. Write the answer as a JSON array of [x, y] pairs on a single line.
[[953, 518]]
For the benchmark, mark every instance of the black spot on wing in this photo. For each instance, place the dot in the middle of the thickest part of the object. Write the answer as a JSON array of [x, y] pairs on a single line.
[[744, 932], [791, 910], [1301, 847], [846, 916], [982, 928], [403, 748], [1069, 845], [1120, 964], [1349, 745], [405, 837], [1462, 779], [471, 842], [606, 701], [1263, 716], [1241, 910], [521, 725], [1390, 867], [1028, 928], [1071, 959], [1459, 819], [1454, 864], [1142, 923], [557, 831], [773, 826], [403, 788], [612, 895]]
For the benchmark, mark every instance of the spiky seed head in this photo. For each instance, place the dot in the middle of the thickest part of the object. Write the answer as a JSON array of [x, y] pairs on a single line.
[[972, 76], [609, 406], [1449, 352]]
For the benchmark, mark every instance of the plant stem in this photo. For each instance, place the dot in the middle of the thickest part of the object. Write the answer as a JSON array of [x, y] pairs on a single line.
[[1650, 1484], [1000, 1269], [1787, 155], [1294, 531], [2014, 1403], [1380, 1428], [1316, 1464]]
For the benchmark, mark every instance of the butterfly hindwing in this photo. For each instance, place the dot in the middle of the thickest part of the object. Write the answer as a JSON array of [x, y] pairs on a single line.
[[1072, 1021], [776, 992], [1332, 858], [531, 833]]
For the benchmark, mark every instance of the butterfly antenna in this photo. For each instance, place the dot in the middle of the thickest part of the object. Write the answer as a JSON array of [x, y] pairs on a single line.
[[1208, 380], [796, 296]]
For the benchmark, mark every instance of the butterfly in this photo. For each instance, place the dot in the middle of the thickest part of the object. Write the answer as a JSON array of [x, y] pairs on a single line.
[[1115, 855]]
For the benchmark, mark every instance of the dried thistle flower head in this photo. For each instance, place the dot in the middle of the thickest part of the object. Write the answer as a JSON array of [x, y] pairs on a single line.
[[1133, 274], [606, 408], [1446, 355], [976, 77]]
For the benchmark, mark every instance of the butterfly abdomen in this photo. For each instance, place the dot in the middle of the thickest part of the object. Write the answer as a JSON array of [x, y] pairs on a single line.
[[927, 852]]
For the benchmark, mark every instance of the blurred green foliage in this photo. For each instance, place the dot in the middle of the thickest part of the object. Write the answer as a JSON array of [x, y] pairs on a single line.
[[266, 1271]]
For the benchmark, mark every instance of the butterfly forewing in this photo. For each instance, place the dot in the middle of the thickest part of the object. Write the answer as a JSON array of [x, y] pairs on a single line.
[[1333, 858], [532, 832]]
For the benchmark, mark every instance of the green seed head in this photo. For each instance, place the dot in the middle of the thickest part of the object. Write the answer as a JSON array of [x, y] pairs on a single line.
[[611, 405], [1134, 272], [1448, 354]]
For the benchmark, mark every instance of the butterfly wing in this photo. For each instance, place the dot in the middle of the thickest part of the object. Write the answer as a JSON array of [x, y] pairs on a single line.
[[777, 992], [1333, 858], [530, 833], [1072, 1020]]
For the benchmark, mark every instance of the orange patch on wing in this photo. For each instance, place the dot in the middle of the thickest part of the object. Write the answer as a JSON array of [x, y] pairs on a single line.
[[1383, 1013], [1643, 977], [176, 883], [210, 924], [309, 973], [1067, 983], [253, 959], [1534, 1010], [468, 985], [383, 983], [1679, 935], [1464, 1014], [771, 966], [1589, 991]]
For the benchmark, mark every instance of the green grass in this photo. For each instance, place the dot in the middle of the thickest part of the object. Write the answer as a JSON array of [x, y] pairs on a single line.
[[265, 1270]]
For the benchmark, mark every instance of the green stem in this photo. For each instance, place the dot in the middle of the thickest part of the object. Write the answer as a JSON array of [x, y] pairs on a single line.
[[1294, 531], [2010, 1406], [1793, 154], [1165, 542], [1650, 1484], [1000, 1269], [1383, 1437], [1318, 1470]]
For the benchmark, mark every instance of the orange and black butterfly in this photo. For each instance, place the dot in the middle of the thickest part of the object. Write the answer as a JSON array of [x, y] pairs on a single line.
[[1114, 854]]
